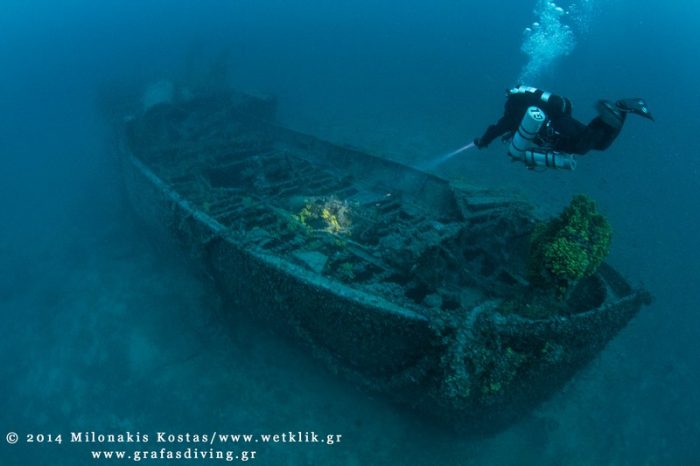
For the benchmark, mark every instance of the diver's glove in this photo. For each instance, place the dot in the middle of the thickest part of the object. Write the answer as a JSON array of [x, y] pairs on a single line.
[[479, 144]]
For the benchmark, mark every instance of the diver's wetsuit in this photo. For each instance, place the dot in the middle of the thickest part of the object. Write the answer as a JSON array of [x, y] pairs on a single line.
[[571, 136]]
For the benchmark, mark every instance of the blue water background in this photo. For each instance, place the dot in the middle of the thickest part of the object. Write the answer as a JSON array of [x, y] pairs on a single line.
[[101, 332]]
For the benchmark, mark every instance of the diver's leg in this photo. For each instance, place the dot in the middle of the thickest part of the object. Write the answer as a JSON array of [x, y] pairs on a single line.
[[605, 128], [602, 130], [572, 137], [600, 134], [607, 125]]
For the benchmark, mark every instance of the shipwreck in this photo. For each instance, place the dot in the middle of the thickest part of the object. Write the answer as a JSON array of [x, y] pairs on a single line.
[[400, 281]]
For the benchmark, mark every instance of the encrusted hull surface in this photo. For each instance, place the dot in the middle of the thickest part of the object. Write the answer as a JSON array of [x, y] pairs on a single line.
[[395, 278]]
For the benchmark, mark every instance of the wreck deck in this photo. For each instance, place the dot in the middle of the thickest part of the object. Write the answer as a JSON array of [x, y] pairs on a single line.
[[407, 236]]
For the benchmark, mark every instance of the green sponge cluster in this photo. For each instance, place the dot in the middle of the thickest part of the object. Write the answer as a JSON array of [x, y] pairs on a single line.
[[571, 246]]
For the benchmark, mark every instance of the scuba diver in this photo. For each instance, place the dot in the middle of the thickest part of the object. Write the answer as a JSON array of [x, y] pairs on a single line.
[[544, 133]]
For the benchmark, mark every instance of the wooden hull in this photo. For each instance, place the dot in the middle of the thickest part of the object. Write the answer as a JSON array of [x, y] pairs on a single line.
[[464, 362]]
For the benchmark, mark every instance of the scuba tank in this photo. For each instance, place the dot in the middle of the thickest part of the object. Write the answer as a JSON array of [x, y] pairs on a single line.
[[523, 147]]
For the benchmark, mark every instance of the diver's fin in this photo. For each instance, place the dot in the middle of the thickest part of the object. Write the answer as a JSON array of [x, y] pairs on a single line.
[[610, 114], [635, 105]]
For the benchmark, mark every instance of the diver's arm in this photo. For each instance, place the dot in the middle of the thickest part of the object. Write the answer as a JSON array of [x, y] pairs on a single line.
[[502, 126], [513, 111]]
